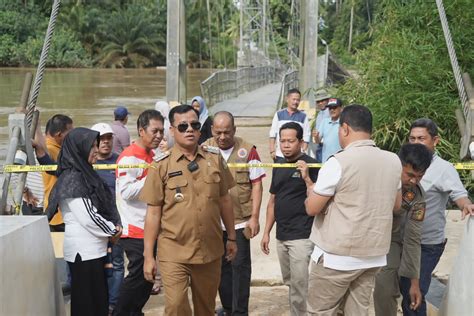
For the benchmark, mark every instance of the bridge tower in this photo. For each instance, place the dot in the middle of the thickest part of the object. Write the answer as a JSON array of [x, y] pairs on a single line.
[[253, 45]]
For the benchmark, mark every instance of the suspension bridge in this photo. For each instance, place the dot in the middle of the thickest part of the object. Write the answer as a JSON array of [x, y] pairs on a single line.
[[256, 88]]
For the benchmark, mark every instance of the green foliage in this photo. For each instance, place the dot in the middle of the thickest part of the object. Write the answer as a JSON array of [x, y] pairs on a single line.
[[406, 73], [127, 33], [131, 38], [337, 26]]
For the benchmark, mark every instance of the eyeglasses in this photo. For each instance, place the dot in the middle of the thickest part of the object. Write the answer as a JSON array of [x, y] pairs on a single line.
[[182, 127]]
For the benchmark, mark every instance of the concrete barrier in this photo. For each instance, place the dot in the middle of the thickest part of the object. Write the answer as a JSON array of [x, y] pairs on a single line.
[[28, 278], [458, 297]]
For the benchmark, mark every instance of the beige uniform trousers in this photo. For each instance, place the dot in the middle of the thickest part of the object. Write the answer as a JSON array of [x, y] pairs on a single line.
[[330, 290], [204, 281]]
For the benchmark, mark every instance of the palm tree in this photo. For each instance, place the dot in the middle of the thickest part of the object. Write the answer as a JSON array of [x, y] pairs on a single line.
[[131, 38]]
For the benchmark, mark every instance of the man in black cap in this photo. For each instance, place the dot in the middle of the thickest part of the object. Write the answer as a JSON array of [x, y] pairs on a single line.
[[121, 134]]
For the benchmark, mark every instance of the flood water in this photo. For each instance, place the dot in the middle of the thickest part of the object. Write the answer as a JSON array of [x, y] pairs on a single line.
[[89, 96]]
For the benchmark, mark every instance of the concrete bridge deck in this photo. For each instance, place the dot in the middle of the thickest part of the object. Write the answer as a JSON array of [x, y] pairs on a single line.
[[261, 102]]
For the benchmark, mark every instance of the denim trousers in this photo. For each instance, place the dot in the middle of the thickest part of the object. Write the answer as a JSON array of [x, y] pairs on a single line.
[[234, 288], [115, 280], [430, 255]]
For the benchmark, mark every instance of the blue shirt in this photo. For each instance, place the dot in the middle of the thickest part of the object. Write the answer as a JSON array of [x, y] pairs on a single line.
[[329, 133], [108, 176]]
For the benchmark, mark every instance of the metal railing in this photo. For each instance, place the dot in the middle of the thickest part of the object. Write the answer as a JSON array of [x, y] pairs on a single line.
[[227, 84], [289, 81]]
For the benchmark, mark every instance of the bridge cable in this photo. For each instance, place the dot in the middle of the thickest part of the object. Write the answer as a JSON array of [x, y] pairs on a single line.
[[33, 98]]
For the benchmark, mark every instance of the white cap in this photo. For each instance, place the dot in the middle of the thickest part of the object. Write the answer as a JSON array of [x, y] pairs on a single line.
[[102, 128]]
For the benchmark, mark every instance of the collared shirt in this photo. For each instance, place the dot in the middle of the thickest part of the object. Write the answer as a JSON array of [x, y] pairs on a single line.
[[329, 134], [440, 182], [50, 180], [322, 114], [190, 229], [283, 116], [121, 138]]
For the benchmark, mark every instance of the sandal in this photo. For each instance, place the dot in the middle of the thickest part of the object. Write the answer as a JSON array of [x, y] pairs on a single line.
[[156, 287]]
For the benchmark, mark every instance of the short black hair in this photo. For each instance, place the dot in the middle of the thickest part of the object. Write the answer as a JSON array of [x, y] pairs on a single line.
[[294, 90], [146, 116], [358, 117], [416, 155], [58, 124], [430, 126], [181, 109], [225, 113], [293, 125]]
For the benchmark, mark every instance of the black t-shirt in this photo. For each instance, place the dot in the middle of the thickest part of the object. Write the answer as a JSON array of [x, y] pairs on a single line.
[[290, 193]]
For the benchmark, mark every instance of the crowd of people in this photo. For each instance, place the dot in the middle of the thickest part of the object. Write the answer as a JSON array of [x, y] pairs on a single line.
[[368, 221]]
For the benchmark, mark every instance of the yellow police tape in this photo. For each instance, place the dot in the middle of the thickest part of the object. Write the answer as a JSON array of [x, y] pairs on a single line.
[[41, 168]]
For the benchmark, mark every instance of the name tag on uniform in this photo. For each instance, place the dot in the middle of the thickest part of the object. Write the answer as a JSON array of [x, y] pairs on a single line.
[[175, 174]]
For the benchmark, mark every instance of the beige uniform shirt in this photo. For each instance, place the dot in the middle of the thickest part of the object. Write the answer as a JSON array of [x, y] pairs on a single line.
[[190, 228]]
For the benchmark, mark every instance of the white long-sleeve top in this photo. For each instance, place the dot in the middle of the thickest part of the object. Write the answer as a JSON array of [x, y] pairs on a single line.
[[87, 232]]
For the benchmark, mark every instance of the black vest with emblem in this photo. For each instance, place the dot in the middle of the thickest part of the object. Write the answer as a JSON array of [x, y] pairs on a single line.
[[241, 194]]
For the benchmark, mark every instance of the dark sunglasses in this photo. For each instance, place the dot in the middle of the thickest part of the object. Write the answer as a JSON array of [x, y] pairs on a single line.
[[182, 127]]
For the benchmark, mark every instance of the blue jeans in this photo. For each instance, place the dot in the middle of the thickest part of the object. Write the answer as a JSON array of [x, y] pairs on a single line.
[[115, 280], [430, 255], [319, 153]]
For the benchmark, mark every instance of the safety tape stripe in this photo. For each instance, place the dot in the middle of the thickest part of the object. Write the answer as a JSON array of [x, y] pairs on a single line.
[[41, 168]]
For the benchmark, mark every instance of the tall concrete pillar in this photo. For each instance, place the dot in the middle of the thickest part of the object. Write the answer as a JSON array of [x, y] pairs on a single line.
[[308, 47], [176, 52]]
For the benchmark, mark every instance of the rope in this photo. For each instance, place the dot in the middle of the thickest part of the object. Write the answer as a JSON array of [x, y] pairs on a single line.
[[453, 58], [42, 62]]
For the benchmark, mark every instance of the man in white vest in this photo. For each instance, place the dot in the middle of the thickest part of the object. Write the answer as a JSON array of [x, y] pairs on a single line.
[[353, 200]]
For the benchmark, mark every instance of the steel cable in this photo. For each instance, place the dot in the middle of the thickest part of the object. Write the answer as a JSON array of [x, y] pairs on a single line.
[[453, 58], [42, 62]]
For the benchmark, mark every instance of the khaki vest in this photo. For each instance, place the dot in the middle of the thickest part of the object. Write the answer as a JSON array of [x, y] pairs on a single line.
[[358, 219], [241, 194]]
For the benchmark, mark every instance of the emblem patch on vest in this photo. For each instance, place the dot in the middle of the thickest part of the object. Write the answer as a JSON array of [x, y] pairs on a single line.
[[418, 212], [409, 196], [242, 153]]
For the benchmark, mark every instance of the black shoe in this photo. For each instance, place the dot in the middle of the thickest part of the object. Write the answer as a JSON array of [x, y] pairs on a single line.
[[221, 311]]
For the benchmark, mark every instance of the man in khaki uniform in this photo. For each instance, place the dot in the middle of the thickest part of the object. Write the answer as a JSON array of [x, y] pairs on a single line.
[[234, 289], [354, 197], [187, 192], [403, 258]]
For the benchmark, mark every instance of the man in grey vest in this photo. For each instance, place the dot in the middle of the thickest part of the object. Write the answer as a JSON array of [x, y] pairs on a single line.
[[403, 258], [234, 288], [354, 198]]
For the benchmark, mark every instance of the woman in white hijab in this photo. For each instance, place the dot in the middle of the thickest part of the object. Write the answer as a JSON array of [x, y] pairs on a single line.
[[164, 108], [199, 104]]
